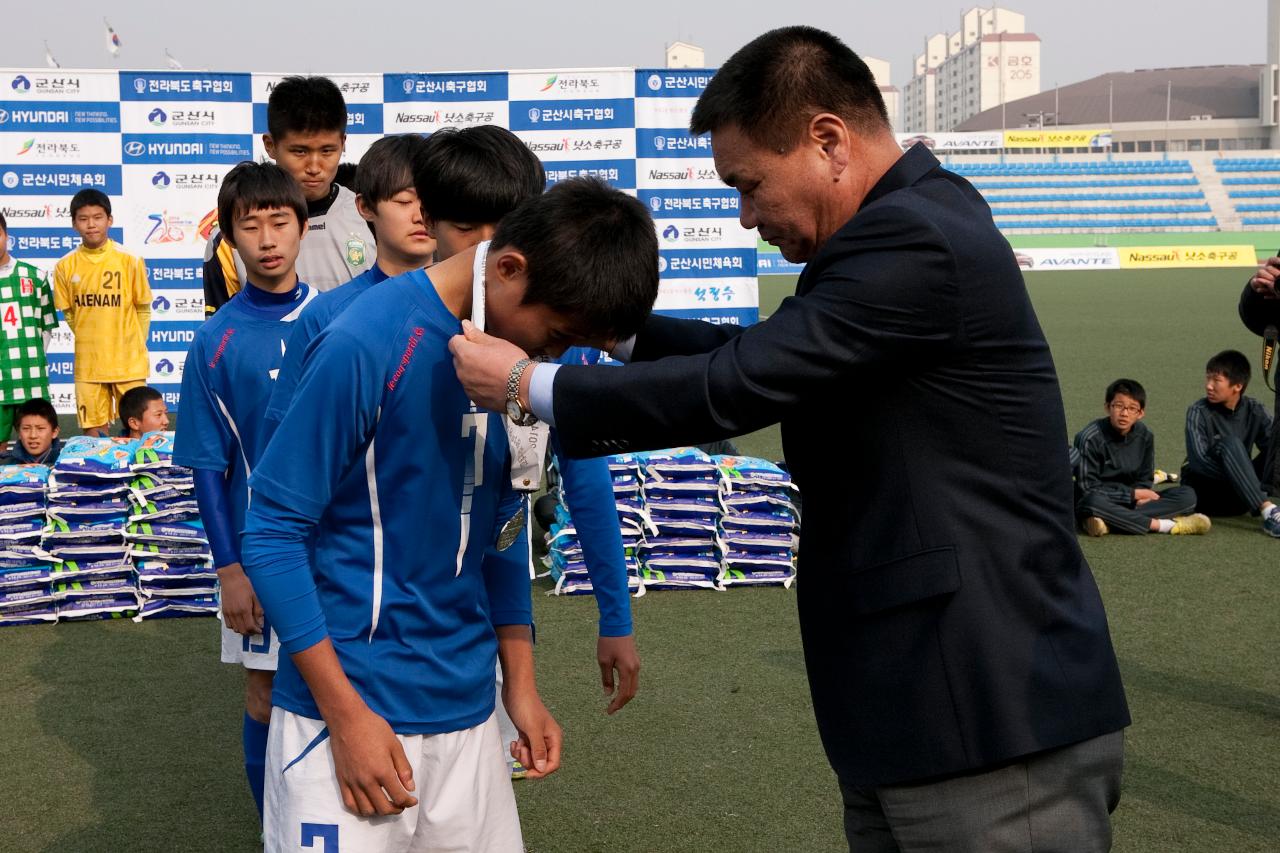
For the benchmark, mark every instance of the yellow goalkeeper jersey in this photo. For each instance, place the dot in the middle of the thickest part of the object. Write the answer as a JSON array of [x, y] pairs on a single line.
[[104, 295]]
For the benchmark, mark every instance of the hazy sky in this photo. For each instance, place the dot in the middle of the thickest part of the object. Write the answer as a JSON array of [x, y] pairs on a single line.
[[1081, 38]]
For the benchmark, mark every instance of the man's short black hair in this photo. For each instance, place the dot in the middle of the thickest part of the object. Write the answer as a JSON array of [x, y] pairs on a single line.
[[4, 223], [592, 253], [1131, 388], [778, 81], [89, 198], [1232, 364], [134, 402], [475, 175], [387, 167], [257, 186], [37, 407], [305, 105]]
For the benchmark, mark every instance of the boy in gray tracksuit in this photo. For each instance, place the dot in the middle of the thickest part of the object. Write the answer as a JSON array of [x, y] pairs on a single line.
[[1115, 473]]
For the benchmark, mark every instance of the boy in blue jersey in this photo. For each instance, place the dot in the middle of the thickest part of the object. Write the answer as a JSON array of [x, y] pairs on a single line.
[[468, 180], [226, 383], [379, 538], [387, 199]]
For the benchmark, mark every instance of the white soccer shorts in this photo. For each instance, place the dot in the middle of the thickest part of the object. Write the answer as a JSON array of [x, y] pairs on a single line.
[[260, 651], [465, 800]]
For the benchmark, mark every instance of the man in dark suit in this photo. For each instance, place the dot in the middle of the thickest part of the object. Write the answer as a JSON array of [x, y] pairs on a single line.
[[963, 678]]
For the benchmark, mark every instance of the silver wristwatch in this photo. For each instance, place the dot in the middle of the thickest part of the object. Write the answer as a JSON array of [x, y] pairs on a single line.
[[519, 415]]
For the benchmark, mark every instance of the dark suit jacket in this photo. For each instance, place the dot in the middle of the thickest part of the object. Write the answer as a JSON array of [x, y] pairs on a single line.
[[949, 619]]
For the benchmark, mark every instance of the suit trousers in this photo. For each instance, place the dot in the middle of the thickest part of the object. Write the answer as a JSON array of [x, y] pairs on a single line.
[[1057, 801]]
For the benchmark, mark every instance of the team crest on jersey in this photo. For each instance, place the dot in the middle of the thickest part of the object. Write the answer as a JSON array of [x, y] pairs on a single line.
[[355, 251], [28, 287]]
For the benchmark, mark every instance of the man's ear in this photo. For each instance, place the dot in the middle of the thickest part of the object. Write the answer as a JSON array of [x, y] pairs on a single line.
[[833, 137], [56, 430], [269, 144], [512, 264], [366, 213]]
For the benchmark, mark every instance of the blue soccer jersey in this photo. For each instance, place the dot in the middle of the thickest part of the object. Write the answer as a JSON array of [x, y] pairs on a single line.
[[314, 319], [401, 487], [227, 380]]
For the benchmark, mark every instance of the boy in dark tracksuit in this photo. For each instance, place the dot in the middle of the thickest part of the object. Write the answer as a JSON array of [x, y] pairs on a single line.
[[1222, 431], [1116, 469]]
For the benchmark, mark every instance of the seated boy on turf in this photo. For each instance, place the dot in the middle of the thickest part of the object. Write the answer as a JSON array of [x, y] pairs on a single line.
[[1115, 474], [379, 537], [386, 198], [468, 180], [1223, 428], [306, 135], [142, 410], [38, 442], [226, 384]]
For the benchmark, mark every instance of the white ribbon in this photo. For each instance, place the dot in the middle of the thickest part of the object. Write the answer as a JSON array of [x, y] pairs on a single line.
[[528, 444]]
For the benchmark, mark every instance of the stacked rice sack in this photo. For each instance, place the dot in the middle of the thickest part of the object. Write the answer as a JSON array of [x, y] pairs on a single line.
[[88, 508], [26, 583], [165, 536], [759, 522], [564, 549], [681, 490]]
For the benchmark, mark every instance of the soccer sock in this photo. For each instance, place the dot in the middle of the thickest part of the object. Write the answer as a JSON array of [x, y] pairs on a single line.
[[1166, 525], [255, 758]]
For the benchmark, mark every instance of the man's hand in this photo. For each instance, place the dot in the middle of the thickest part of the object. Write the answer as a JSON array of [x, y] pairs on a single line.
[[483, 364], [618, 653], [1145, 496], [538, 747], [241, 611], [1264, 280], [373, 773]]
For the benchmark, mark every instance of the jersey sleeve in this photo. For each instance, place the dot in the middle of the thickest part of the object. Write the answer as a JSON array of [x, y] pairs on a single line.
[[48, 319], [204, 438], [332, 416], [275, 558], [506, 573], [588, 492], [62, 290], [139, 285]]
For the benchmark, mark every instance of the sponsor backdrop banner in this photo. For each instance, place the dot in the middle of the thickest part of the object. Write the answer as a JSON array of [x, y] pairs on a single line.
[[159, 143], [1158, 257]]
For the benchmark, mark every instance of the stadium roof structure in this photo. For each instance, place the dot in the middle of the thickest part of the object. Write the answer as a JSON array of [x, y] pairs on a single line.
[[1199, 92]]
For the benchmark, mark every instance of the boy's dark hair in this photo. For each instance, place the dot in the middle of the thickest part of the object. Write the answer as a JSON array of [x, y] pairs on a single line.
[[134, 402], [1232, 364], [305, 105], [89, 198], [4, 223], [37, 407], [775, 83], [345, 176], [476, 174], [255, 186], [387, 167], [1130, 388], [592, 253]]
